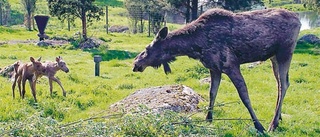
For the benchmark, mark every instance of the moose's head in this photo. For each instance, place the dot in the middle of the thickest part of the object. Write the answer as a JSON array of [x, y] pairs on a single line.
[[155, 54], [61, 64], [37, 65]]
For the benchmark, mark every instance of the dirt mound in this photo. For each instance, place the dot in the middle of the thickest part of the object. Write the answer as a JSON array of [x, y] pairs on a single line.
[[178, 98], [7, 71]]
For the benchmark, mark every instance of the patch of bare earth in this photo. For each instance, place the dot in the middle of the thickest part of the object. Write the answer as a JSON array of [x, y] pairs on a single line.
[[52, 42], [177, 98]]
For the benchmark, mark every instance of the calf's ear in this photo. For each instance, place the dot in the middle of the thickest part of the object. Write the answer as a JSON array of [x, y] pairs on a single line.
[[58, 59], [32, 59], [163, 33]]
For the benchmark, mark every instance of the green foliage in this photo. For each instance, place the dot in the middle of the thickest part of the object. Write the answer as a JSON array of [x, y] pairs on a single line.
[[286, 4], [303, 47], [312, 4], [69, 10], [146, 123], [197, 72], [242, 5], [113, 3]]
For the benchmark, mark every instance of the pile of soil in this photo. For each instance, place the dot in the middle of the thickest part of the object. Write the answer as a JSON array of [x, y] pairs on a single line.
[[177, 98], [7, 71]]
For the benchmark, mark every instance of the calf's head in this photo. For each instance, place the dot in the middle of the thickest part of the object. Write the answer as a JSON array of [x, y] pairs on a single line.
[[155, 54], [62, 65], [37, 65]]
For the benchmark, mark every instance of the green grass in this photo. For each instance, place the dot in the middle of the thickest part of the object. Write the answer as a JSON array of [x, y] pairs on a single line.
[[88, 97], [286, 4]]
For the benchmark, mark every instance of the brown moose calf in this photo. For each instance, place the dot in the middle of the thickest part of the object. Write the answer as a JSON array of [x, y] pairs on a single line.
[[24, 72], [222, 41]]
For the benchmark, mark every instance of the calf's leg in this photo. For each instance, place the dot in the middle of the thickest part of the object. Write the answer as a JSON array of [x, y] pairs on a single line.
[[14, 84], [33, 89], [58, 81], [23, 92]]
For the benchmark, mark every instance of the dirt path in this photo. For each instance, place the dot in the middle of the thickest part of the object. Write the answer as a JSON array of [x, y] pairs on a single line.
[[50, 42]]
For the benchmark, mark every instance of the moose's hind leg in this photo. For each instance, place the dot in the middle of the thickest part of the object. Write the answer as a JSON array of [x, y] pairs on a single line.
[[280, 64]]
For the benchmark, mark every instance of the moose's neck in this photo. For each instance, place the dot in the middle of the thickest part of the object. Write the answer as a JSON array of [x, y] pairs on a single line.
[[183, 44], [56, 67]]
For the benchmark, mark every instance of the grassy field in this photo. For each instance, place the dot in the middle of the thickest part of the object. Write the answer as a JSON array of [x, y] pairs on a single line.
[[85, 109]]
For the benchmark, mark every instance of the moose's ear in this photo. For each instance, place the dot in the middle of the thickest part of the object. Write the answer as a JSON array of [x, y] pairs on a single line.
[[163, 33], [32, 59], [39, 59], [58, 59]]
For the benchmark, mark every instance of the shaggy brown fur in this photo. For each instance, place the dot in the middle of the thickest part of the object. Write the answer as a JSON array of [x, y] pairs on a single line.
[[51, 68], [24, 72], [223, 40]]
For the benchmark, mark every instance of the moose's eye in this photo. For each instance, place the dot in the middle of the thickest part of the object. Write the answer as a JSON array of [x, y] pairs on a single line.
[[144, 54]]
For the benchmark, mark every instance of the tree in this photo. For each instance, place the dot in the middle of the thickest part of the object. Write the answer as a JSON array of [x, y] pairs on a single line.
[[29, 6], [4, 12], [72, 9], [157, 11], [138, 8], [184, 7], [234, 5], [312, 4], [194, 9]]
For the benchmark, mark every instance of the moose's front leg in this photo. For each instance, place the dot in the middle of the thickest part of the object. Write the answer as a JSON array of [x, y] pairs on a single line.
[[215, 82], [58, 81], [238, 80]]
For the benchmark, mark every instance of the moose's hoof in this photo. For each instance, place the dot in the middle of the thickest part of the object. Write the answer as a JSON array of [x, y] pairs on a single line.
[[209, 117], [273, 126], [259, 127]]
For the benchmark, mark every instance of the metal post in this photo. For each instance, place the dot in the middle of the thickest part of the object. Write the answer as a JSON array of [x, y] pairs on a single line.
[[149, 23], [107, 20], [97, 59]]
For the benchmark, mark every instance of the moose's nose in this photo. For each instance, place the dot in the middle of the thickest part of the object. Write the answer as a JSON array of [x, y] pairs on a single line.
[[135, 68]]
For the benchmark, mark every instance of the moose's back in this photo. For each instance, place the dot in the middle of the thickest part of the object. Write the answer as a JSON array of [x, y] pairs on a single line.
[[257, 35]]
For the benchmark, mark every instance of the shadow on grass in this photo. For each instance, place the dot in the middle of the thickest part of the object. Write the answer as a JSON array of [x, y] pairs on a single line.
[[307, 48], [113, 54]]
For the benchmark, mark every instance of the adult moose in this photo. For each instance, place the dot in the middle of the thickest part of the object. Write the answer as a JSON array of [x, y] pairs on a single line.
[[223, 40]]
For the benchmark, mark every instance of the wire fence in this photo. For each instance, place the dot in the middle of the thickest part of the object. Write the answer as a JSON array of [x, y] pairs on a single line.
[[83, 126]]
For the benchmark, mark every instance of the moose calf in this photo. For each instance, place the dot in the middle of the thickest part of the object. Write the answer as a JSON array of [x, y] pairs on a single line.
[[24, 72]]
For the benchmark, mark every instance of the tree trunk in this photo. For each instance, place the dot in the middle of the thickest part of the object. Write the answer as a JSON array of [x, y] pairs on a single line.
[[194, 10], [29, 21], [188, 11], [84, 21], [84, 27], [1, 14]]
